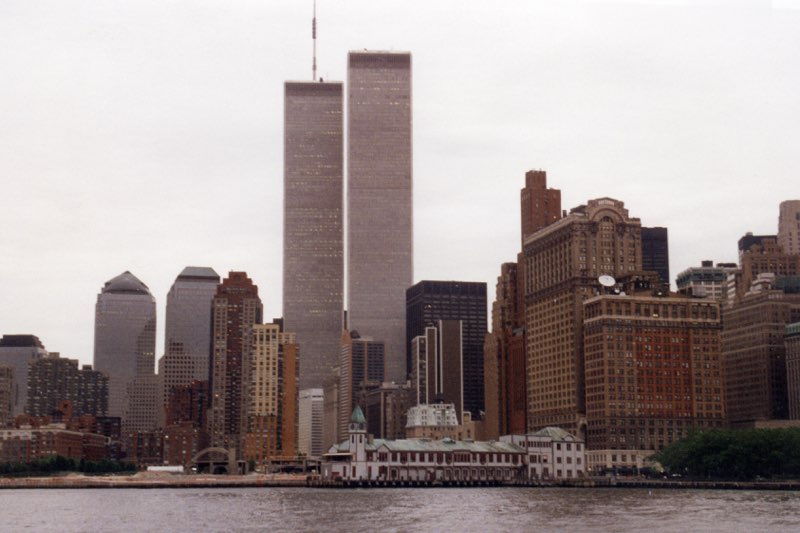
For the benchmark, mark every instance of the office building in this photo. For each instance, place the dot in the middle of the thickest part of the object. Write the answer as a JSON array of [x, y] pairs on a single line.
[[7, 396], [54, 379], [313, 235], [236, 309], [792, 344], [504, 357], [124, 338], [17, 352], [379, 200], [386, 409], [765, 257], [754, 353], [653, 368], [429, 302], [187, 334], [438, 370], [362, 366], [706, 281], [789, 227], [272, 395], [655, 253], [309, 427], [563, 264], [539, 206]]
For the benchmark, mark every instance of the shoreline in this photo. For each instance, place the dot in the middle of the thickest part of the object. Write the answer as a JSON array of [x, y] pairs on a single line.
[[149, 480]]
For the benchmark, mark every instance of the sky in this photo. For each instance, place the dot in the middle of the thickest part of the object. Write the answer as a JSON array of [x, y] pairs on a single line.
[[148, 135]]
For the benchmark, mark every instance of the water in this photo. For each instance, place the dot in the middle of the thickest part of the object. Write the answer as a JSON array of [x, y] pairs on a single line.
[[332, 510]]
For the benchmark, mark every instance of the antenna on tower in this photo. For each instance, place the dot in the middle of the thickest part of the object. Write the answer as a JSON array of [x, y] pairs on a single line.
[[314, 38]]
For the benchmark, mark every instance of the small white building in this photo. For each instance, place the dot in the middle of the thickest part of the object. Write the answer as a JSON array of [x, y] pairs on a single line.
[[421, 460], [553, 453]]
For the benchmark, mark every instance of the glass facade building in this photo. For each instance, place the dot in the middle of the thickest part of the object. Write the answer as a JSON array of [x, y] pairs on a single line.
[[379, 200], [313, 235]]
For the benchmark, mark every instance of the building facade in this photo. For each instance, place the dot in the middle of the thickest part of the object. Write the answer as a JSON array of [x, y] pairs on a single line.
[[187, 333], [789, 226], [438, 370], [792, 343], [272, 393], [754, 353], [563, 263], [17, 352], [53, 379], [362, 366], [655, 253], [313, 235], [380, 200], [654, 371], [552, 454], [124, 338], [429, 302], [706, 281], [236, 308], [424, 461], [309, 427]]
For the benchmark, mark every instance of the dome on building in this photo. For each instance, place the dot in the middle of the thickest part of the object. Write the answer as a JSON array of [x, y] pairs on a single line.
[[126, 283]]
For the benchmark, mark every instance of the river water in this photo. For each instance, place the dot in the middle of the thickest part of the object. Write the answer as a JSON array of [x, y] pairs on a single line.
[[351, 510]]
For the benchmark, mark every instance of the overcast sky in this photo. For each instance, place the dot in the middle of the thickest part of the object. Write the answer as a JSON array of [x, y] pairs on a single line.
[[147, 135]]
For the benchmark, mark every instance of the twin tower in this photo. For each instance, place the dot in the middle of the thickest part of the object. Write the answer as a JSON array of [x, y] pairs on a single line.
[[378, 212]]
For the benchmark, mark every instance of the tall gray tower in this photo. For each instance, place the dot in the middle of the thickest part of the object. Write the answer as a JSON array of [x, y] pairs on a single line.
[[379, 199], [187, 339], [313, 238], [124, 338]]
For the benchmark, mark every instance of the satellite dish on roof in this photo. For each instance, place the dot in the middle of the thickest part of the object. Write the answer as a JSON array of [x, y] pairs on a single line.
[[607, 281]]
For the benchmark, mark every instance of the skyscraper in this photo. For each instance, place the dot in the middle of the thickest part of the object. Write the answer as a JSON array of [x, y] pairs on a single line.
[[379, 199], [428, 302], [539, 205], [563, 262], [236, 309], [362, 366], [187, 337], [309, 426], [313, 237], [655, 252], [53, 379], [124, 338], [789, 226]]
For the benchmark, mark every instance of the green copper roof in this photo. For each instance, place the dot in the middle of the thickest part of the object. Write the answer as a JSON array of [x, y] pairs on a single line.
[[358, 416]]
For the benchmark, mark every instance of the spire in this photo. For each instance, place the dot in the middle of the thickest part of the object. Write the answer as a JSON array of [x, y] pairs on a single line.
[[314, 38], [358, 416]]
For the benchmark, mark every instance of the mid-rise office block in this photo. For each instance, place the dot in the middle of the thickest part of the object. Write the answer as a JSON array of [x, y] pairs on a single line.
[[17, 352], [766, 257], [438, 370], [7, 394], [792, 343], [124, 338], [362, 366], [653, 368], [53, 379], [655, 253], [563, 263], [313, 235], [706, 281], [309, 427], [187, 336], [380, 200], [386, 410], [429, 302], [236, 308], [754, 354], [504, 357], [789, 227]]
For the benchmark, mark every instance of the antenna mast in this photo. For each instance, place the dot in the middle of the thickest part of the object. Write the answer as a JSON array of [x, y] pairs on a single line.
[[314, 38]]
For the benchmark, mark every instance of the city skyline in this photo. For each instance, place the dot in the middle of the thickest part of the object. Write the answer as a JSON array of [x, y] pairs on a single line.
[[136, 143]]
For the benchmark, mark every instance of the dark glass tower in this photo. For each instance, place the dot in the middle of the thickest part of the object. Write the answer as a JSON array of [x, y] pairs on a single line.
[[428, 302]]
